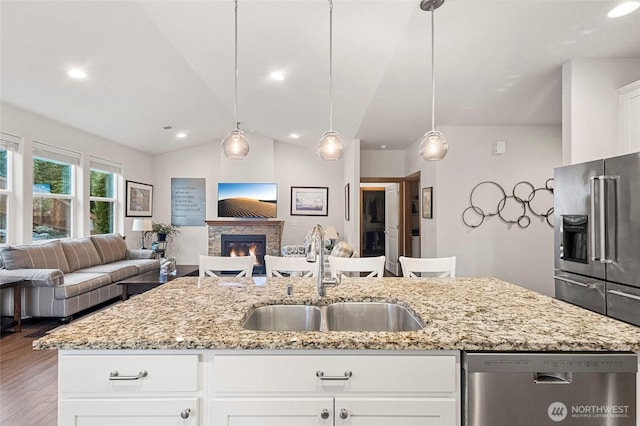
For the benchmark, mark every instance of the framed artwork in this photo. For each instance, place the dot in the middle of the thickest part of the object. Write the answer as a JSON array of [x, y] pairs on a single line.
[[346, 202], [309, 201], [427, 202], [139, 202]]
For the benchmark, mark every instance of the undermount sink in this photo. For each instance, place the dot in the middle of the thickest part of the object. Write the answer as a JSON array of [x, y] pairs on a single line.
[[342, 316], [370, 316], [284, 318]]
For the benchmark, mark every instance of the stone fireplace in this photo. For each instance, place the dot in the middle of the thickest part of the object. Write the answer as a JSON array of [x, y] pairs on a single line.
[[270, 229]]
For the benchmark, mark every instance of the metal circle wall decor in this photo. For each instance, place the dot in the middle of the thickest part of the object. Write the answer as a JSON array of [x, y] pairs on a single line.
[[522, 196]]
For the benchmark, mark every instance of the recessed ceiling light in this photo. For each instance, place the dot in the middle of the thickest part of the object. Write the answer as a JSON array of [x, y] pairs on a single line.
[[277, 75], [77, 73], [294, 136], [623, 9], [181, 135], [383, 146]]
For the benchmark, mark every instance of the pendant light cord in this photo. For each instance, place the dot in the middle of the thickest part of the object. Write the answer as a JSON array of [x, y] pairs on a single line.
[[235, 104], [433, 72], [330, 65]]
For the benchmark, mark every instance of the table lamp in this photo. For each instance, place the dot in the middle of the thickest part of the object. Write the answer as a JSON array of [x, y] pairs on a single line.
[[144, 226], [331, 234]]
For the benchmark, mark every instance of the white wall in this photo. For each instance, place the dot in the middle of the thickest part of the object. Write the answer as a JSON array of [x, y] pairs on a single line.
[[590, 107], [268, 161], [384, 163], [30, 126], [496, 249], [351, 170]]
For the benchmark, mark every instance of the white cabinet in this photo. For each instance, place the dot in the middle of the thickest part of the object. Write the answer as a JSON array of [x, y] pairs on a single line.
[[128, 388], [334, 389], [395, 411], [259, 388], [630, 117], [129, 411], [290, 411]]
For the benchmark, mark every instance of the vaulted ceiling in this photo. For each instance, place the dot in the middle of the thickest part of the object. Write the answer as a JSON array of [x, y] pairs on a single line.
[[171, 63]]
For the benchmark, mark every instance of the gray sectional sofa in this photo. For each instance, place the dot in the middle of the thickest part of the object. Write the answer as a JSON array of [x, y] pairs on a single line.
[[64, 277]]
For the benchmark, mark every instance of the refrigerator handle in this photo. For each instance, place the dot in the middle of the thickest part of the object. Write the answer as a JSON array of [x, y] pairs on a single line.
[[593, 239], [608, 220], [602, 205]]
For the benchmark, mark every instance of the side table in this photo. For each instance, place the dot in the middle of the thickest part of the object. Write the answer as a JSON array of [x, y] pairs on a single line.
[[15, 283]]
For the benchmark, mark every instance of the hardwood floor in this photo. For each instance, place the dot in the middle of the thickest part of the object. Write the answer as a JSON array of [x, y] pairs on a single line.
[[28, 378]]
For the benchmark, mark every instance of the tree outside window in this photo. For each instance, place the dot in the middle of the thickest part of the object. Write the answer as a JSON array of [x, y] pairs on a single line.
[[102, 202], [52, 199]]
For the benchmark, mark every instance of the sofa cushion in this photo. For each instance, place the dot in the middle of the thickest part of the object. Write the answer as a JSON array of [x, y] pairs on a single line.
[[343, 249], [80, 253], [35, 256], [123, 269], [110, 247], [76, 283], [118, 271]]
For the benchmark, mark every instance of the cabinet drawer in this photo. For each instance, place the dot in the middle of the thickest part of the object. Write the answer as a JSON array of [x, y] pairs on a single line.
[[164, 373], [298, 373]]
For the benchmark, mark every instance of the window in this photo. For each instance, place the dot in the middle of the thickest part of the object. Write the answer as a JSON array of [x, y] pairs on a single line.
[[8, 143], [102, 197], [4, 183], [53, 191]]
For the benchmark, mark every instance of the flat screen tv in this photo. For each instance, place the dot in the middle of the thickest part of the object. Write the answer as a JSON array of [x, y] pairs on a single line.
[[248, 200]]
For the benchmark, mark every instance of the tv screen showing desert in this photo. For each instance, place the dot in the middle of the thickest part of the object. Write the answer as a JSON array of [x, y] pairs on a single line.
[[247, 200]]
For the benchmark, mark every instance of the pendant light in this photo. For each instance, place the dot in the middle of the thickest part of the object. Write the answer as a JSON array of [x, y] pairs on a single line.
[[433, 145], [331, 146], [235, 144]]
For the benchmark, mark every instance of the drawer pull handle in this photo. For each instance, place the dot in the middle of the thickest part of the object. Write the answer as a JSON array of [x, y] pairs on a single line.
[[344, 414], [321, 376], [114, 375], [324, 414], [185, 413]]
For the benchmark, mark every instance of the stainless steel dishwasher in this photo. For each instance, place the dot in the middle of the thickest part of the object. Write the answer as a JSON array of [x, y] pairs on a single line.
[[538, 389]]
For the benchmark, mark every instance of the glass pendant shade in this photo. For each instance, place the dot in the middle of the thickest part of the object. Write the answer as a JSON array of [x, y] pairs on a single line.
[[235, 145], [433, 146], [331, 146]]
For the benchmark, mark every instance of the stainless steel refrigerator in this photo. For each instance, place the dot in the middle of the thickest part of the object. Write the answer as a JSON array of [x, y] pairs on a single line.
[[597, 236]]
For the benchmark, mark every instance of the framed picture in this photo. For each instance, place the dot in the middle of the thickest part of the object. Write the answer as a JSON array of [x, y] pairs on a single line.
[[427, 202], [309, 201], [139, 199], [346, 202]]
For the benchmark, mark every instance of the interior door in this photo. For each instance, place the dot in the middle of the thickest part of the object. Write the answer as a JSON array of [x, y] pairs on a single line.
[[391, 225]]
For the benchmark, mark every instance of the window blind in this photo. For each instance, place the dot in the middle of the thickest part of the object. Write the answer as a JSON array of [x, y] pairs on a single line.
[[9, 142], [54, 153], [104, 165]]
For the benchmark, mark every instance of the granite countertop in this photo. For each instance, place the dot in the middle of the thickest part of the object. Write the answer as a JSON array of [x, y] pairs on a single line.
[[458, 313]]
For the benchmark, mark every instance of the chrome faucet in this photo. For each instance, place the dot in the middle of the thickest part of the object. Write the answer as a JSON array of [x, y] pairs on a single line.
[[316, 254]]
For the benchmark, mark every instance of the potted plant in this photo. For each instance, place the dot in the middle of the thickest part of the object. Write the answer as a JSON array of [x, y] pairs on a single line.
[[165, 232]]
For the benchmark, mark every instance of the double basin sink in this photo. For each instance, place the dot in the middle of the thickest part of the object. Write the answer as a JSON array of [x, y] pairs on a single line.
[[340, 316]]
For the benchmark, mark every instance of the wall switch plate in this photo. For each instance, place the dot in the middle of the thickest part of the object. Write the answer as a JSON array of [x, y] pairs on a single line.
[[499, 148]]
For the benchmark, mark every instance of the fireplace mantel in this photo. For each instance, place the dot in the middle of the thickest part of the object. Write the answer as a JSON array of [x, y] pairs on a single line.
[[272, 229], [245, 222]]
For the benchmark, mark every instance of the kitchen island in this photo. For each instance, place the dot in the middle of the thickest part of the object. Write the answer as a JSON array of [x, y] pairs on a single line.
[[210, 370]]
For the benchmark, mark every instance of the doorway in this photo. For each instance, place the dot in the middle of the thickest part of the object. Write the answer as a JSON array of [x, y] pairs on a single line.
[[372, 223], [407, 237]]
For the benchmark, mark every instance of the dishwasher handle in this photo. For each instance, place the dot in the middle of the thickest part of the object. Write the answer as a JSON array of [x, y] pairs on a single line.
[[552, 378]]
